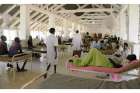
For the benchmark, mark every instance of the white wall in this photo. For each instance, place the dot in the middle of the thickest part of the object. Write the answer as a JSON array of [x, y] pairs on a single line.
[[108, 26], [98, 29], [93, 28]]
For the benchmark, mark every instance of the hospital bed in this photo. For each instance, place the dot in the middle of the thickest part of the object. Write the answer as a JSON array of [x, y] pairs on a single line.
[[22, 57], [113, 73]]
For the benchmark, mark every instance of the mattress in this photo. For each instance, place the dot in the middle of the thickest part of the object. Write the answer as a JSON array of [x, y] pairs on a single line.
[[125, 68]]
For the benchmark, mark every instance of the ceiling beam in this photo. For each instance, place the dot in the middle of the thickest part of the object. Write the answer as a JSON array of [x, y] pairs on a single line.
[[47, 12], [52, 8], [39, 16], [43, 18], [34, 25], [12, 7], [93, 16], [85, 5], [124, 8], [91, 20], [82, 7], [95, 23], [39, 10], [34, 14], [17, 20], [86, 10], [59, 6]]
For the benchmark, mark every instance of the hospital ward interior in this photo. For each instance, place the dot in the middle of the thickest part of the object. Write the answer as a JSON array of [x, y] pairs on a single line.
[[69, 46]]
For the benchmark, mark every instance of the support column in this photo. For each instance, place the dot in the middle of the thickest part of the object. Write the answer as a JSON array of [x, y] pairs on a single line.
[[73, 27], [51, 21], [1, 32], [24, 22], [65, 29], [133, 23], [134, 28], [123, 32], [79, 27]]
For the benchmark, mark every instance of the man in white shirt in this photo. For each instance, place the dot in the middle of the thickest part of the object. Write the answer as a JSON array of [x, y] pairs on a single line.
[[51, 43], [77, 43]]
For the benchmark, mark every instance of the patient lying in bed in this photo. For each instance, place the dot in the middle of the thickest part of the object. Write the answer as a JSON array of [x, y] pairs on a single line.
[[96, 58]]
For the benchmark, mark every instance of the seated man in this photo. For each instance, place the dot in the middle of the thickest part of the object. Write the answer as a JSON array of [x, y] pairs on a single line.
[[3, 46], [15, 49]]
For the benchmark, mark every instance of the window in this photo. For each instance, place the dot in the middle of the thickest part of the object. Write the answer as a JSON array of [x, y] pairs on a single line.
[[10, 35]]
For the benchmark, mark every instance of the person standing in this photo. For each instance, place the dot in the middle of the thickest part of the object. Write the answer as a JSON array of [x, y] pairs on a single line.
[[30, 43], [51, 43], [87, 41], [76, 44]]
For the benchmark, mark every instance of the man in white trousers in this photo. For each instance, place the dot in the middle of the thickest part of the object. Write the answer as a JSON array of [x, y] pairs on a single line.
[[76, 44], [51, 43]]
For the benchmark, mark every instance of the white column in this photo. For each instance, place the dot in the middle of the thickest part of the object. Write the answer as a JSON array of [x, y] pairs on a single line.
[[133, 23], [51, 21], [123, 32], [79, 27], [64, 26], [24, 22], [1, 32], [73, 26], [134, 28]]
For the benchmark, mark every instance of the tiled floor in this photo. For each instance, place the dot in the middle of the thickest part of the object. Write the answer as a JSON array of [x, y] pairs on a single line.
[[6, 77], [7, 82]]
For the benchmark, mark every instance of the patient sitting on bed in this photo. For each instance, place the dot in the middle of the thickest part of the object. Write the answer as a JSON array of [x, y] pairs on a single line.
[[16, 49], [3, 46]]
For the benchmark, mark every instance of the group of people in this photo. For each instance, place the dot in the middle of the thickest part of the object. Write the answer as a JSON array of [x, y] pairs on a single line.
[[107, 42], [32, 43], [51, 43], [95, 57], [15, 48]]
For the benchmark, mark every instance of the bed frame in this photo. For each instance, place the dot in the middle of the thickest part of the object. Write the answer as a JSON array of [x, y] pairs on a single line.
[[114, 73], [22, 57]]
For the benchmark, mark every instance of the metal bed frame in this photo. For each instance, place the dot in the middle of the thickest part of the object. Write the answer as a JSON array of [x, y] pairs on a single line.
[[16, 59]]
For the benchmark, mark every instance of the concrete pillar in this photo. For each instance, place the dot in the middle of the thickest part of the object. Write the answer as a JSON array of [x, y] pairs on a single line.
[[1, 32], [51, 21], [73, 28], [79, 27], [134, 28], [64, 26], [123, 32], [24, 22], [133, 23]]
